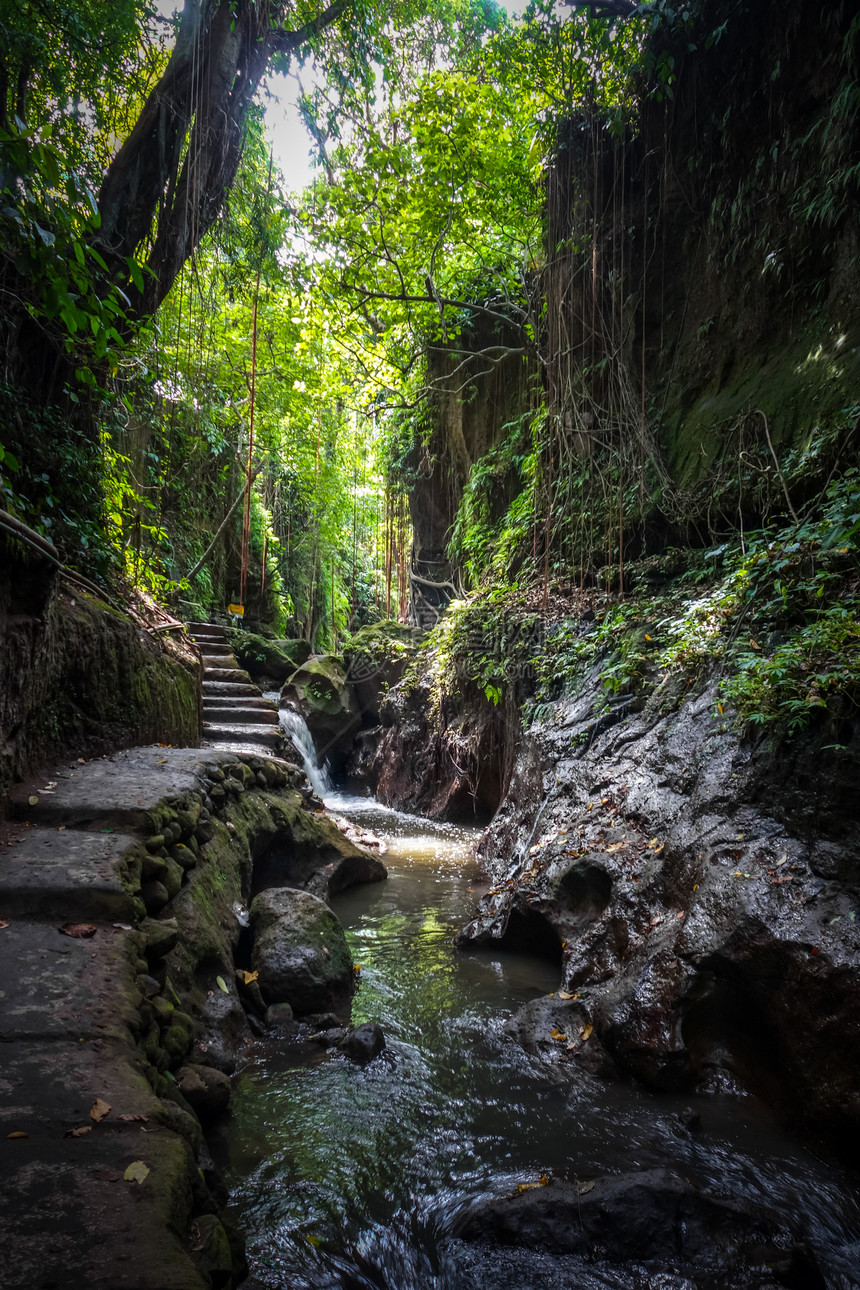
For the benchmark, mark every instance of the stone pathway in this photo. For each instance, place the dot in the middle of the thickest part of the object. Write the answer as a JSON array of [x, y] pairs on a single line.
[[99, 1186], [235, 713]]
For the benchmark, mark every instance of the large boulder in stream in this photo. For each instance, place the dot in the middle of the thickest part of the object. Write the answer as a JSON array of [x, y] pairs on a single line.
[[320, 692], [300, 951]]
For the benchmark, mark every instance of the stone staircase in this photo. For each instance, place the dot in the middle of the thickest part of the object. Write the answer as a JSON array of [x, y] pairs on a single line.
[[235, 712]]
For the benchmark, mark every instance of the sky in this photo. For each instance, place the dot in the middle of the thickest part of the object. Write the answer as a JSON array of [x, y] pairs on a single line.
[[290, 141]]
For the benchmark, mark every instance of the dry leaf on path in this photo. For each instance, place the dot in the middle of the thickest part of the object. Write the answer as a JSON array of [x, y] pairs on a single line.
[[19, 1133], [133, 1119], [79, 1133], [99, 1110], [586, 1033], [250, 977], [136, 1172], [78, 930]]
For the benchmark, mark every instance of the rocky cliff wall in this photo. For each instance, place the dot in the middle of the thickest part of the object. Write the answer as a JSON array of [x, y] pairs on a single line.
[[78, 676]]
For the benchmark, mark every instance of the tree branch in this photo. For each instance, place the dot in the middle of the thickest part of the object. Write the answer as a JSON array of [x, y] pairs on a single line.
[[287, 42]]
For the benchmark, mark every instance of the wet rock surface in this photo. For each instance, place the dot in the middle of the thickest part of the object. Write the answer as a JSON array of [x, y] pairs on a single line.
[[701, 896], [300, 952], [363, 1043], [656, 1220]]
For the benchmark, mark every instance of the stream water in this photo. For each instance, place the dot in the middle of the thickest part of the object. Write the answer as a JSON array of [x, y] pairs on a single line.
[[343, 1176]]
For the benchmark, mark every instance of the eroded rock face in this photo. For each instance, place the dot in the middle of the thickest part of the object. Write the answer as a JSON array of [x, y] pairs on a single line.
[[705, 896], [449, 770], [300, 951]]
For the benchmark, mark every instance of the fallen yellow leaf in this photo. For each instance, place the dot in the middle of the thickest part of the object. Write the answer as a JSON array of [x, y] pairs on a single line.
[[557, 1035], [565, 994], [248, 977], [586, 1033], [99, 1110], [19, 1133], [136, 1172]]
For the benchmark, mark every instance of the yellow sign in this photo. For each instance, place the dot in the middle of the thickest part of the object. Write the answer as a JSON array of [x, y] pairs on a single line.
[[236, 609]]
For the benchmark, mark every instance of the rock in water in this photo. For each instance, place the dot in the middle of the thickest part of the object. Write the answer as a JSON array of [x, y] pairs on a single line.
[[363, 1043], [206, 1090], [300, 951]]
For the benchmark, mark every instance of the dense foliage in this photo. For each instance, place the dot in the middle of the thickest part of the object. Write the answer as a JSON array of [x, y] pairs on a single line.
[[219, 390]]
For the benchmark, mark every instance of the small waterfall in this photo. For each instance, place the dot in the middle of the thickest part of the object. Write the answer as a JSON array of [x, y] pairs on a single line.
[[296, 730]]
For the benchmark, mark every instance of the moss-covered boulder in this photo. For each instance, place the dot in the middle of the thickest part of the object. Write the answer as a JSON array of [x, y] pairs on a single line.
[[272, 660], [300, 951], [320, 691], [376, 659]]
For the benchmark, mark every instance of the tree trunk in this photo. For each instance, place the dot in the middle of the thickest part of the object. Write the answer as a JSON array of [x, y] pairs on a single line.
[[167, 184]]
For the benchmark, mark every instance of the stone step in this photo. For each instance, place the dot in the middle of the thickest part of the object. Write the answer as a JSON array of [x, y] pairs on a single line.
[[267, 736], [229, 689], [240, 714], [228, 702], [218, 661], [211, 645], [231, 674]]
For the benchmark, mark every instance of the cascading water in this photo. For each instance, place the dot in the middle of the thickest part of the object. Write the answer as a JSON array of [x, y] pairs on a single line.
[[296, 730]]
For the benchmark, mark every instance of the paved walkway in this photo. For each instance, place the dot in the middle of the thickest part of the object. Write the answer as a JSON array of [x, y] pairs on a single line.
[[98, 1181]]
